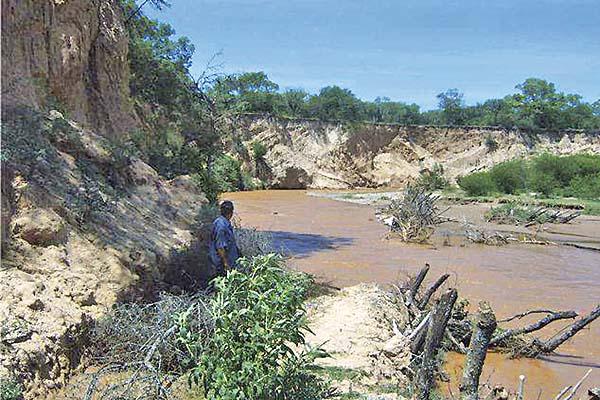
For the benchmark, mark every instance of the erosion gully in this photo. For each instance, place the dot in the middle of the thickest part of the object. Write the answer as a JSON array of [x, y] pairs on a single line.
[[342, 243]]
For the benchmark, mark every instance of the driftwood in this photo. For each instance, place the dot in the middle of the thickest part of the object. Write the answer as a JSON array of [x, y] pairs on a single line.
[[413, 216], [554, 316], [431, 290], [526, 313], [484, 329], [417, 336], [435, 332], [416, 285], [553, 343]]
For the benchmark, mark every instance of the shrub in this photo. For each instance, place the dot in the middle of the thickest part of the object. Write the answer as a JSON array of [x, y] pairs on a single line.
[[227, 174], [477, 184], [584, 187], [258, 150], [434, 179], [491, 143], [510, 176], [252, 242], [10, 390], [414, 215], [258, 318]]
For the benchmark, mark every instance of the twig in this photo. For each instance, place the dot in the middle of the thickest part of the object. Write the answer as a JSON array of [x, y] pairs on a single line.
[[526, 313], [577, 385], [521, 389]]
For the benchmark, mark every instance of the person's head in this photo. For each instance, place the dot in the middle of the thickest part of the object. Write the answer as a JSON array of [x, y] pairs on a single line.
[[227, 209]]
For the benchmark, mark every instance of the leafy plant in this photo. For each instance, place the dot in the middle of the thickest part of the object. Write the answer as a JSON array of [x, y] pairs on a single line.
[[433, 179], [258, 318], [477, 184], [258, 150], [10, 390]]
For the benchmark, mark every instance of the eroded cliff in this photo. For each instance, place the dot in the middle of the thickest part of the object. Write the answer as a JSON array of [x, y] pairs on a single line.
[[70, 55], [325, 155]]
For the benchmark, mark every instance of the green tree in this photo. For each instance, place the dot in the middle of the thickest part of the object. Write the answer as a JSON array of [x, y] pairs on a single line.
[[451, 104], [335, 103]]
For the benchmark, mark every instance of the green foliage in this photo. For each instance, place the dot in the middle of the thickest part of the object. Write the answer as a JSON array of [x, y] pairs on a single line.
[[451, 104], [477, 184], [258, 318], [10, 390], [434, 179], [510, 176], [491, 144], [549, 175], [258, 150]]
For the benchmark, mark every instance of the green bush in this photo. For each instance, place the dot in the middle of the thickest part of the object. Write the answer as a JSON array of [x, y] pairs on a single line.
[[10, 390], [434, 179], [510, 176], [477, 184], [584, 187], [258, 150], [258, 318]]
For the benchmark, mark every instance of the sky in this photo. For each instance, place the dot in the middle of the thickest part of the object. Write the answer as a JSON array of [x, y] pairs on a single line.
[[407, 50]]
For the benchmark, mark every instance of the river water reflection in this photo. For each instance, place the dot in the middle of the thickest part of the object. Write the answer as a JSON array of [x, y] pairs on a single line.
[[343, 244]]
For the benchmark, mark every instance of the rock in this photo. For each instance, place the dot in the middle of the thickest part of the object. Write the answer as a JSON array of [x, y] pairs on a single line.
[[141, 173], [40, 227]]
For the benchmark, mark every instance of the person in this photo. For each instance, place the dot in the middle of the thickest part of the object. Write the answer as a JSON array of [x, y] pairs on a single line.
[[223, 251]]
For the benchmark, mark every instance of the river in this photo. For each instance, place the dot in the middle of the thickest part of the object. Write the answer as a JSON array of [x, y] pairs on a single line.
[[342, 243]]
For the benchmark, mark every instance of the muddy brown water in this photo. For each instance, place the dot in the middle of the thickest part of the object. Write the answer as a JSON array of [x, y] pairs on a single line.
[[343, 244]]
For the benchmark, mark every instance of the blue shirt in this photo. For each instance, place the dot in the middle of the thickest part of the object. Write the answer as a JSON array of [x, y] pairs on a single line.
[[222, 237]]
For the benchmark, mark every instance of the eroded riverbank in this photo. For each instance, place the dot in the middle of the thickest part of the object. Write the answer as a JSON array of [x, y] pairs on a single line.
[[342, 243]]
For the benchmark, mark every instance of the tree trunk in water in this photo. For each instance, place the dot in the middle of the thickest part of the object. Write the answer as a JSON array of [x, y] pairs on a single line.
[[552, 344], [435, 332], [533, 327], [482, 334]]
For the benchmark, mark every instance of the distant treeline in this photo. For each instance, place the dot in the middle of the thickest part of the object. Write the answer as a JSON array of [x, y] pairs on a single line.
[[536, 105]]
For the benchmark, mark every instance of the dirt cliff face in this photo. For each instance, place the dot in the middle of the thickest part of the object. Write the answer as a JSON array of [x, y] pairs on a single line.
[[71, 55], [84, 226], [323, 155]]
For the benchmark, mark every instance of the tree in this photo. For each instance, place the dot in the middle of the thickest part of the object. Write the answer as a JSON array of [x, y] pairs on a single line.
[[247, 92], [540, 106], [451, 103], [335, 103], [294, 102]]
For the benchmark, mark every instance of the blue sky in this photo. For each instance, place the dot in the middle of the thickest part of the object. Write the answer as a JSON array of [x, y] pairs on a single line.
[[407, 50]]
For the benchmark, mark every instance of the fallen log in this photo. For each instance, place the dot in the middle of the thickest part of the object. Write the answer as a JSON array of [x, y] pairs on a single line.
[[555, 316], [435, 332], [417, 336], [416, 285], [552, 344], [431, 290], [480, 340]]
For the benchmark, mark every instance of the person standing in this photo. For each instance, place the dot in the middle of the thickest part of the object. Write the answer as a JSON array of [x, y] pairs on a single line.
[[223, 251]]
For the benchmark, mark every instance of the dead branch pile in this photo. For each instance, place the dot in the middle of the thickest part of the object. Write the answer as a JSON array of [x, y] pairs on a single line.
[[413, 216], [447, 325], [511, 213], [134, 351], [479, 235]]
